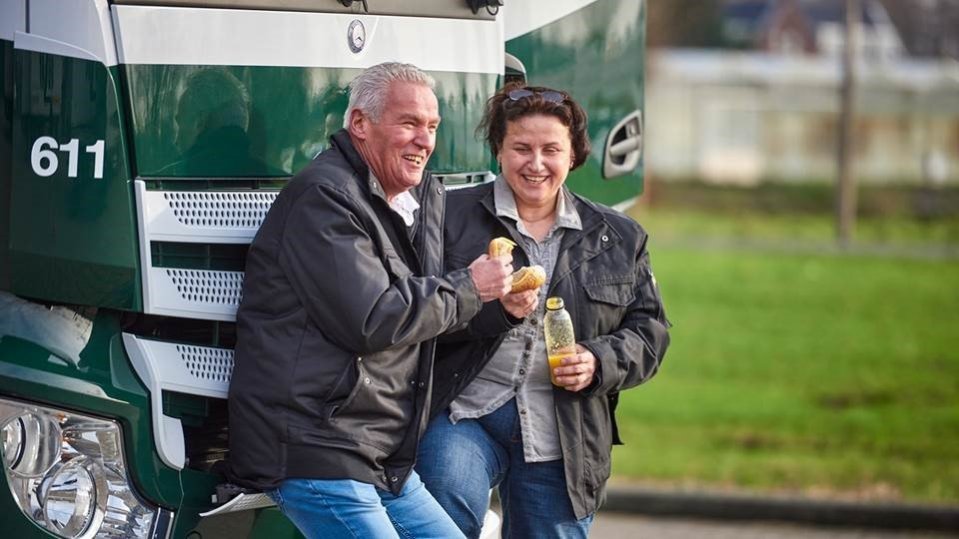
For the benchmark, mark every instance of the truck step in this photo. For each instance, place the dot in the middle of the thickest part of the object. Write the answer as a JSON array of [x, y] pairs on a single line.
[[242, 502]]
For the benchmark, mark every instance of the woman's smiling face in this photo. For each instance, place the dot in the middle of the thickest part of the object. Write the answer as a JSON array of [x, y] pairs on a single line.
[[535, 158]]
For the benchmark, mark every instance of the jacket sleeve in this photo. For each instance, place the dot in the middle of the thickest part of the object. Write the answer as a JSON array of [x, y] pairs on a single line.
[[632, 354], [491, 321], [360, 303]]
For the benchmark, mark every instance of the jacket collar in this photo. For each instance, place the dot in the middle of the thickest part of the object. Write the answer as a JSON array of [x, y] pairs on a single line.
[[367, 181], [589, 216], [344, 144], [505, 203]]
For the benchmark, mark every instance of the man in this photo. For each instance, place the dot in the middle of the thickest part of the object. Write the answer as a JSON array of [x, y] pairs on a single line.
[[335, 333]]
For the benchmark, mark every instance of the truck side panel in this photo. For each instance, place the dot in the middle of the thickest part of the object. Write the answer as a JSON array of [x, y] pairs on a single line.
[[71, 178]]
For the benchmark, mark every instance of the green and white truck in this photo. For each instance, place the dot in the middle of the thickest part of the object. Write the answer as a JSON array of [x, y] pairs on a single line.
[[141, 144]]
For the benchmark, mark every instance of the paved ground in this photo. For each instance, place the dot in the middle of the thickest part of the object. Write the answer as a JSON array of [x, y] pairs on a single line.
[[625, 526]]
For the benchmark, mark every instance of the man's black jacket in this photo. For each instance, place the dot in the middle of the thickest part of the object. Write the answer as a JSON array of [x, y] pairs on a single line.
[[335, 332]]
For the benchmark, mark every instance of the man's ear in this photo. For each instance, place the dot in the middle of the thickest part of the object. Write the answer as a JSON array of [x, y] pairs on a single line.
[[359, 124]]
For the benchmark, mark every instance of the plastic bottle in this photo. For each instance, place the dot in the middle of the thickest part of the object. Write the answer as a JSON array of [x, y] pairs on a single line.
[[560, 341]]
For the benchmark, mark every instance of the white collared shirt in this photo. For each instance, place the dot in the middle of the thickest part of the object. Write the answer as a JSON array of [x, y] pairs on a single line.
[[405, 205]]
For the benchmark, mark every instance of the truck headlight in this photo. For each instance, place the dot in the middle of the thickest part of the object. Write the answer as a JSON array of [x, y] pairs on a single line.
[[67, 473]]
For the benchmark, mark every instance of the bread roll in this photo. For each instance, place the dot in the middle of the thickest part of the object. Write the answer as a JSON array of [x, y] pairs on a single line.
[[500, 247], [528, 278]]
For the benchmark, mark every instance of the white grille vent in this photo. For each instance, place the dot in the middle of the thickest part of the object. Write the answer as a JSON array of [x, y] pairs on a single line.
[[205, 294], [202, 216], [220, 210], [211, 287], [184, 368], [211, 217], [207, 364]]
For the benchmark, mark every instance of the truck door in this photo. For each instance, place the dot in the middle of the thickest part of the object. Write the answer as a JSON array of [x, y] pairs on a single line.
[[593, 49]]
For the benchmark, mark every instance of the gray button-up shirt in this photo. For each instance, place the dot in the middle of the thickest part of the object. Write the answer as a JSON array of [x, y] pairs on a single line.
[[519, 367]]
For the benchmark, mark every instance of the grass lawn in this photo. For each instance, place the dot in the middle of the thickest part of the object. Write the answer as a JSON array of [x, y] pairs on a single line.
[[804, 229], [826, 374]]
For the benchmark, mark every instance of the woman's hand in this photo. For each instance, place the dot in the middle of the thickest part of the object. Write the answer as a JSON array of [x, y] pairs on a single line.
[[577, 370], [521, 304]]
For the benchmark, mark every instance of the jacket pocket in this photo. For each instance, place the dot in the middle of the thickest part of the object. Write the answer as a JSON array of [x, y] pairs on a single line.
[[599, 473], [346, 389], [597, 442], [613, 290]]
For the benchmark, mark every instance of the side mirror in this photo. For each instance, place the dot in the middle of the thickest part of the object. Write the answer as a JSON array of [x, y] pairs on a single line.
[[513, 70]]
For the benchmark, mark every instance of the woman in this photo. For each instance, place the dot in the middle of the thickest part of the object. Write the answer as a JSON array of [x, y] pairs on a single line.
[[498, 421]]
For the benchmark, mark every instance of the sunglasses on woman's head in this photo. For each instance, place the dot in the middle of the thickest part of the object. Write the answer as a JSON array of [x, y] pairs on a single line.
[[548, 95]]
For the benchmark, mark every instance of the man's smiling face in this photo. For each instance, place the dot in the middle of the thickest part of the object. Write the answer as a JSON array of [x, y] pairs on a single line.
[[397, 146]]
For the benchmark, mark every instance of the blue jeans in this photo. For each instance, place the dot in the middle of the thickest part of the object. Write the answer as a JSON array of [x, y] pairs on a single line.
[[460, 464], [325, 508]]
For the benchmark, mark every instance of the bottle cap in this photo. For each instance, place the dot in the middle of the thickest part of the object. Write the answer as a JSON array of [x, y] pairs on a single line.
[[554, 303]]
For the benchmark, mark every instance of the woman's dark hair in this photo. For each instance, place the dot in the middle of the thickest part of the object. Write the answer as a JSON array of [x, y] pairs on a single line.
[[530, 100]]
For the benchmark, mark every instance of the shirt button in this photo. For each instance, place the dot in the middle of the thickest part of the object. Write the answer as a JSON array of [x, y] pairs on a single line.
[[422, 384], [359, 359], [605, 237], [522, 371], [523, 412], [367, 380], [394, 479]]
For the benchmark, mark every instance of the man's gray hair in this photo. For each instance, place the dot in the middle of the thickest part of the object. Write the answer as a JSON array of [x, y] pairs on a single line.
[[368, 90]]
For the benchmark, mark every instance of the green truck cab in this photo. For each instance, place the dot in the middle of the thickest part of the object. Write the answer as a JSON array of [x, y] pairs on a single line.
[[141, 144]]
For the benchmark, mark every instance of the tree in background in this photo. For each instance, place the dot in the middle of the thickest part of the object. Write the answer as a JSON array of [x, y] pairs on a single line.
[[684, 23]]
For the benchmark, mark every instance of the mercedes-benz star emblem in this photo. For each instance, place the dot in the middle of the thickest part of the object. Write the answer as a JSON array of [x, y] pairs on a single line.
[[356, 35]]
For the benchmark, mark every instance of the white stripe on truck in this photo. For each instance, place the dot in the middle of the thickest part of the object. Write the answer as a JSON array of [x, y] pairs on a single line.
[[189, 36]]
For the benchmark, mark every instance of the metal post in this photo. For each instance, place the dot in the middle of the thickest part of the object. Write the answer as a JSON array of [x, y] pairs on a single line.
[[846, 188]]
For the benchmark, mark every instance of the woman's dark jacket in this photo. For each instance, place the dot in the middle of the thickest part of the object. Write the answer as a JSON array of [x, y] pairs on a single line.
[[335, 332], [604, 278]]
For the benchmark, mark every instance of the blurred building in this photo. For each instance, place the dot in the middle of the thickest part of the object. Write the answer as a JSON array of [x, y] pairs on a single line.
[[767, 107], [811, 27], [928, 28]]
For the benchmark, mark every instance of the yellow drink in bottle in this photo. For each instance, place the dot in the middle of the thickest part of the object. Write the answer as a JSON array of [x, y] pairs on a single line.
[[555, 361], [558, 327]]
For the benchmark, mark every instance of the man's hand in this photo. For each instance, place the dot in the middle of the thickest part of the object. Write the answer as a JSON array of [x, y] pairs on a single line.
[[492, 277], [521, 304], [577, 370]]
